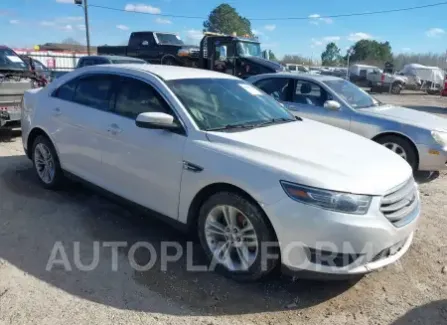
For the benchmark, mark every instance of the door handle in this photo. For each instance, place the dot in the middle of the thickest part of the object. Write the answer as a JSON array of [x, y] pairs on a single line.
[[57, 111], [114, 129]]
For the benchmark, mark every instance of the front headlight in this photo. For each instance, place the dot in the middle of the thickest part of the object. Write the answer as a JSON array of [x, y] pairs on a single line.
[[330, 200], [440, 137]]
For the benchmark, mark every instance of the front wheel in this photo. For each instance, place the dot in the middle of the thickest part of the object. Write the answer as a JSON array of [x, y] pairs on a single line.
[[236, 237], [396, 88], [401, 147]]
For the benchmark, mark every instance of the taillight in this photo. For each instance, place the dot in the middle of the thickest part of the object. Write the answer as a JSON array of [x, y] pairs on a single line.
[[383, 77]]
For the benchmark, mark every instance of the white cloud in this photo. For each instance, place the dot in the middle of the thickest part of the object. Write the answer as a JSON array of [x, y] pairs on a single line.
[[122, 27], [270, 27], [142, 8], [81, 27], [66, 28], [316, 42], [435, 32], [66, 1], [14, 21], [355, 37], [257, 32], [162, 21], [316, 19], [193, 36], [331, 38]]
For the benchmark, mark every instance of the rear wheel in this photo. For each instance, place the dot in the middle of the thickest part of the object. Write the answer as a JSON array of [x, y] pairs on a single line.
[[169, 61], [46, 163], [401, 147], [396, 88], [232, 231]]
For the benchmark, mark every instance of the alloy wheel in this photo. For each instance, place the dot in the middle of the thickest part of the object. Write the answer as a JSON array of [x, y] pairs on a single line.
[[231, 238], [44, 162], [397, 149]]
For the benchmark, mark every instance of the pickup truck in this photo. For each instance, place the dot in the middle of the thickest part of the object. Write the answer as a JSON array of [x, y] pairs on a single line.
[[238, 56], [15, 79], [387, 82]]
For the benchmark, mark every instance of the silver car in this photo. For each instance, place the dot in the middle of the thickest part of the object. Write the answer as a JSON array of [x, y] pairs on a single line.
[[420, 138]]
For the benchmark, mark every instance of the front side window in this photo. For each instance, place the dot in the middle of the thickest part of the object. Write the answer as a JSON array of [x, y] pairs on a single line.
[[135, 97], [309, 93], [278, 88], [94, 91], [227, 103], [353, 95], [170, 39], [291, 67]]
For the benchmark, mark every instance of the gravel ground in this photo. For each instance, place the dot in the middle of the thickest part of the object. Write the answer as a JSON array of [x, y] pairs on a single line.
[[413, 291]]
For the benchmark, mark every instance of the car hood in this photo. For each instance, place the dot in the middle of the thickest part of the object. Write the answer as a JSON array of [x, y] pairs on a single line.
[[275, 66], [319, 155], [409, 116]]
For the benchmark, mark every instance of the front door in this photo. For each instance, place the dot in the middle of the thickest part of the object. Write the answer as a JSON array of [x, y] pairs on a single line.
[[142, 165], [308, 100], [224, 57]]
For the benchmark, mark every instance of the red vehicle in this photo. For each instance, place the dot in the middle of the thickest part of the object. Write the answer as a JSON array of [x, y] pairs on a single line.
[[444, 92]]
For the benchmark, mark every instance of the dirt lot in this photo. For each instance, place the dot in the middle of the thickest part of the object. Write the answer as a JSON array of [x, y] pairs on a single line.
[[414, 291]]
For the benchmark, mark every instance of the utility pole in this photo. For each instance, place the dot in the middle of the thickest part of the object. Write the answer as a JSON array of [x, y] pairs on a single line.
[[350, 52], [84, 4]]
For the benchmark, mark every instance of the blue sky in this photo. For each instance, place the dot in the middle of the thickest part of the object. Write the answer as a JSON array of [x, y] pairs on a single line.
[[29, 22]]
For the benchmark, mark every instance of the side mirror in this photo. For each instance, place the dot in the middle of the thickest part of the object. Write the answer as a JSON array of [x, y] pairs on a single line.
[[332, 105], [156, 120], [223, 53]]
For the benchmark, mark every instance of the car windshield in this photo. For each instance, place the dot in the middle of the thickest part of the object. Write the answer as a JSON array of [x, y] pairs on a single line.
[[353, 95], [10, 60], [169, 39], [245, 49], [227, 103]]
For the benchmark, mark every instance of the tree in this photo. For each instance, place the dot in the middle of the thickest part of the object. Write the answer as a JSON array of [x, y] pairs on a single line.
[[70, 41], [272, 56], [331, 56], [370, 51], [225, 19]]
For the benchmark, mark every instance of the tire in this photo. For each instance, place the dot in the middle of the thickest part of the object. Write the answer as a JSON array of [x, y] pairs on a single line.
[[396, 88], [403, 144], [42, 146], [169, 61], [245, 209]]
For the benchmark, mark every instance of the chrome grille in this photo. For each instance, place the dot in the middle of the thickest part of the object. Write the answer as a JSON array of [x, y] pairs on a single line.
[[400, 202]]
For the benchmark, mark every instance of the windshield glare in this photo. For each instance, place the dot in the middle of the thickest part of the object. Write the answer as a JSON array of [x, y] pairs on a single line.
[[10, 60], [245, 49], [216, 103], [353, 95], [169, 39]]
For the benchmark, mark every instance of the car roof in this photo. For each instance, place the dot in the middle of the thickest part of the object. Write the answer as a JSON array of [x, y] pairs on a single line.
[[305, 76], [169, 72]]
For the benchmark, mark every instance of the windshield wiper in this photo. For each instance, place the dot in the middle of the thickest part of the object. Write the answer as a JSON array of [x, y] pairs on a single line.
[[277, 121], [232, 127]]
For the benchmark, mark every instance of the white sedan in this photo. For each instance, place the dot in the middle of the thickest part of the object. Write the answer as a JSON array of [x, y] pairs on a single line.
[[216, 155]]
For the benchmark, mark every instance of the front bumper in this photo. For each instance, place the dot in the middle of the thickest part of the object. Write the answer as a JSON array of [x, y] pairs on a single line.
[[432, 158], [323, 241]]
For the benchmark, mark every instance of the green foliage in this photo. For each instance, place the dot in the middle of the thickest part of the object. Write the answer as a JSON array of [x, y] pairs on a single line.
[[272, 56], [225, 19], [331, 56], [370, 50]]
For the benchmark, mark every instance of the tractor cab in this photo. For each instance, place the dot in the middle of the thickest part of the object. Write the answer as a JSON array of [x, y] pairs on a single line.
[[238, 56]]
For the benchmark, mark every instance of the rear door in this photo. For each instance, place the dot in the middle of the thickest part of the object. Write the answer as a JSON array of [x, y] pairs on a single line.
[[80, 110], [143, 46], [278, 88]]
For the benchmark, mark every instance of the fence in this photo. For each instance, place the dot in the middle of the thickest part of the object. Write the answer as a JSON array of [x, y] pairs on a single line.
[[58, 62]]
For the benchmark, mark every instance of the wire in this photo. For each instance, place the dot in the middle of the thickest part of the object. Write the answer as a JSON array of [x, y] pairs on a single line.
[[286, 18]]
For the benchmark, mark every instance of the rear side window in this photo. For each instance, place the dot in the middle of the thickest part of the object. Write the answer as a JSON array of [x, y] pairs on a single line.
[[276, 87], [135, 97], [94, 91], [66, 91]]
